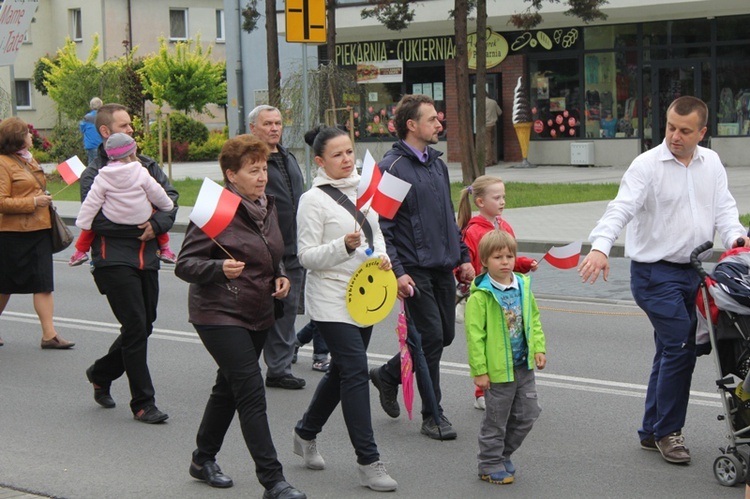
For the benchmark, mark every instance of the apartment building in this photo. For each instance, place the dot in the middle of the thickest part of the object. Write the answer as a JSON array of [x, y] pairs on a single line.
[[119, 24]]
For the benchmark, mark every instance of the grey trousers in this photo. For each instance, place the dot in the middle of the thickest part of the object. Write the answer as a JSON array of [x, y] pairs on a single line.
[[511, 411], [279, 347]]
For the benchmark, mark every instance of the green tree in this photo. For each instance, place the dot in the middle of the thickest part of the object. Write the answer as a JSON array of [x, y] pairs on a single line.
[[187, 79], [71, 82]]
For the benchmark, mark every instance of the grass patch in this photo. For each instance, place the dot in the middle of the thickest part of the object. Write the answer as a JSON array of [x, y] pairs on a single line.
[[523, 194]]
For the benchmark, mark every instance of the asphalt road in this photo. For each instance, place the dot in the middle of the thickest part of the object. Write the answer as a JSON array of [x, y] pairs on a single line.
[[57, 441]]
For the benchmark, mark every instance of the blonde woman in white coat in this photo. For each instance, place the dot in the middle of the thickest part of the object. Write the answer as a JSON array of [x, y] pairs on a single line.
[[330, 248]]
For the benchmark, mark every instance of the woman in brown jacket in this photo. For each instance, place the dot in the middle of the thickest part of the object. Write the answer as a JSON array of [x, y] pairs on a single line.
[[231, 306], [25, 238]]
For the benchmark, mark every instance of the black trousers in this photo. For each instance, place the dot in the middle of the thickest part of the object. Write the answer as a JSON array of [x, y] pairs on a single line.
[[433, 313], [133, 296], [239, 388], [347, 381]]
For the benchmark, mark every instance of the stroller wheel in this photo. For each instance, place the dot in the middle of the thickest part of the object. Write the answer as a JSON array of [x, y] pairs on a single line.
[[728, 470]]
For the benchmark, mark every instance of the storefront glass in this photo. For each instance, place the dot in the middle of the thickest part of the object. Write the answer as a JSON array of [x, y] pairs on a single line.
[[555, 97], [733, 84]]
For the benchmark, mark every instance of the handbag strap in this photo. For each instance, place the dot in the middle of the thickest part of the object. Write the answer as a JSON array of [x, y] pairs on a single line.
[[345, 203]]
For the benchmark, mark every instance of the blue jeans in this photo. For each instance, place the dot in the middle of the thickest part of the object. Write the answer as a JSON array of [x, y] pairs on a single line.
[[347, 381], [310, 333], [667, 292]]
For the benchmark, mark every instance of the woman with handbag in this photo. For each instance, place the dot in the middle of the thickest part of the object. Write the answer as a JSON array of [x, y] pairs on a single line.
[[231, 304], [331, 246], [25, 229]]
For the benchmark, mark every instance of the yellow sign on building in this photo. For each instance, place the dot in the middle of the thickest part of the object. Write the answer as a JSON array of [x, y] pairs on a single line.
[[306, 21]]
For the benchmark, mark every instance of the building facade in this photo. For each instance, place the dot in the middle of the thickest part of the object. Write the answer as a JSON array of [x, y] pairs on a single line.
[[603, 85], [119, 25]]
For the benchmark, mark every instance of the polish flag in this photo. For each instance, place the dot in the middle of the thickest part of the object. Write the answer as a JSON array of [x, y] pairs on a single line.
[[564, 257], [214, 208], [71, 169], [369, 181], [389, 195]]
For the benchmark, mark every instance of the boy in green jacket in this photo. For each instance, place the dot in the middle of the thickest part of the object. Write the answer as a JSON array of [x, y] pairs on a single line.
[[505, 341]]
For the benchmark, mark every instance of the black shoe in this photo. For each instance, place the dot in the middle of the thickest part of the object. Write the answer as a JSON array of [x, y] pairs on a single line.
[[388, 393], [101, 393], [444, 431], [283, 490], [287, 382], [150, 415], [211, 474]]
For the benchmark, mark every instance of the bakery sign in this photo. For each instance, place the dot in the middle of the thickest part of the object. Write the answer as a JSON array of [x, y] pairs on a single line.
[[497, 49], [391, 71]]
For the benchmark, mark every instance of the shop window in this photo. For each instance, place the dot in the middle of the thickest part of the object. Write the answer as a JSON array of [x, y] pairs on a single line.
[[611, 37], [555, 98], [23, 94], [610, 99], [178, 24], [733, 84], [732, 28], [677, 32], [376, 109]]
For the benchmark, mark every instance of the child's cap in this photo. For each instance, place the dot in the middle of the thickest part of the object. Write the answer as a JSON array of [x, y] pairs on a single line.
[[120, 145]]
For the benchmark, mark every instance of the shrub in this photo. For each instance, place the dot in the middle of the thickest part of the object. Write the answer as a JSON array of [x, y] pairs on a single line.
[[67, 142], [208, 151], [42, 156], [186, 129], [39, 143]]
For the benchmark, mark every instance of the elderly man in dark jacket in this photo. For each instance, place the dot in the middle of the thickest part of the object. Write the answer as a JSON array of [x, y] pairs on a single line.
[[286, 186], [424, 246], [126, 270]]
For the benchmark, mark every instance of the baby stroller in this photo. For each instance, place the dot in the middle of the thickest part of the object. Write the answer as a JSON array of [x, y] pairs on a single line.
[[724, 320]]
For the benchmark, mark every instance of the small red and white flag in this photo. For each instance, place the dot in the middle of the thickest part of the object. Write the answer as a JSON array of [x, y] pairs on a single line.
[[369, 181], [389, 195], [71, 169], [214, 208], [564, 257]]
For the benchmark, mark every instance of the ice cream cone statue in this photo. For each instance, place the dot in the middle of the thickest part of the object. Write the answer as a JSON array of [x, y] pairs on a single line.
[[522, 121]]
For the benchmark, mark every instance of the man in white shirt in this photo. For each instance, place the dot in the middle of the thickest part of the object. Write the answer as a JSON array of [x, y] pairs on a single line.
[[674, 197]]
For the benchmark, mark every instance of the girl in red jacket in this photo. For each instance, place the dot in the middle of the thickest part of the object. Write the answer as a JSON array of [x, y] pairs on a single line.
[[488, 194]]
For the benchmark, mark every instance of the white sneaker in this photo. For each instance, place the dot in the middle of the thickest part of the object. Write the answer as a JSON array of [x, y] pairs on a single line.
[[308, 449], [479, 403], [374, 476]]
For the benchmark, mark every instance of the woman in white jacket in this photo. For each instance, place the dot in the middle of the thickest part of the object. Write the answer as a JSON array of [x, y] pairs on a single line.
[[330, 248]]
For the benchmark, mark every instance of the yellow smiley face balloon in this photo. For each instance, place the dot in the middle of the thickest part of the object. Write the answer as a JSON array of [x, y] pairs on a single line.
[[371, 293]]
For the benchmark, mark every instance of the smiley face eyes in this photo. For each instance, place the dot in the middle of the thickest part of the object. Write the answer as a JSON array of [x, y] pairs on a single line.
[[370, 280]]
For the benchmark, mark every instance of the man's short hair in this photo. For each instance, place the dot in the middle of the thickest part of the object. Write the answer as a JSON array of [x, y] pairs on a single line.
[[105, 115], [496, 240], [688, 104], [253, 115], [409, 109]]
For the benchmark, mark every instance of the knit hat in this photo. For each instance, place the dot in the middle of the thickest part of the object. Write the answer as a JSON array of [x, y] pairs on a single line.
[[120, 145]]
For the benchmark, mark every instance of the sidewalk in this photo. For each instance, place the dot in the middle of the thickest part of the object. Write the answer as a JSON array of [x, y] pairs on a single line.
[[537, 228]]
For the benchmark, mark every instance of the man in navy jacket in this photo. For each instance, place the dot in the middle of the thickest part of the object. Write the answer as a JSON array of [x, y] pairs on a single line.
[[424, 245]]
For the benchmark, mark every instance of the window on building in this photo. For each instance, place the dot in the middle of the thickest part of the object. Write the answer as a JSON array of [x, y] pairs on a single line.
[[178, 24], [733, 87], [220, 25], [23, 94], [555, 98], [76, 26]]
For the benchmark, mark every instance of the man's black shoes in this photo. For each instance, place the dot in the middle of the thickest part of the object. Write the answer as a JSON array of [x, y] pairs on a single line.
[[388, 393], [150, 415], [287, 382], [101, 393]]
